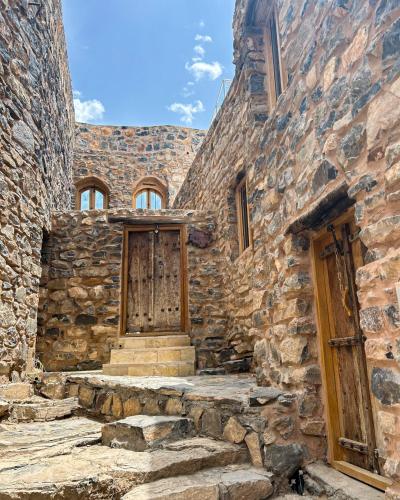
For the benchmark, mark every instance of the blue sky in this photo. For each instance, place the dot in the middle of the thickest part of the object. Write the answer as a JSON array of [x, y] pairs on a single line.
[[150, 62]]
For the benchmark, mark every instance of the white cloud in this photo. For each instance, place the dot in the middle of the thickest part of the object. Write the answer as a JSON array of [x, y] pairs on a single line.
[[202, 24], [203, 38], [87, 111], [199, 50], [187, 111], [202, 69]]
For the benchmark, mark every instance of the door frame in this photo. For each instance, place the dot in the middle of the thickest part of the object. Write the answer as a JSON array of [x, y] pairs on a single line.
[[330, 397], [181, 228]]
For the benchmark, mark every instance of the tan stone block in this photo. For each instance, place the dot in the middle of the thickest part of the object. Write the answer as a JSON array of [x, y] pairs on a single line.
[[151, 407], [253, 444], [188, 354], [233, 431], [169, 355], [164, 370], [78, 293], [132, 407], [186, 369], [392, 176], [16, 391], [86, 396], [329, 73], [73, 390], [311, 78], [116, 407], [140, 370], [173, 407], [292, 350], [389, 423], [382, 115], [356, 49], [269, 437], [313, 428], [58, 296], [196, 413], [106, 406]]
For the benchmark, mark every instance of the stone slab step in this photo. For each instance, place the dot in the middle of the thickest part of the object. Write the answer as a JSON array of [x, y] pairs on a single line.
[[29, 442], [233, 482], [327, 481], [100, 472], [16, 391], [141, 432], [154, 342], [39, 409], [171, 369], [153, 355]]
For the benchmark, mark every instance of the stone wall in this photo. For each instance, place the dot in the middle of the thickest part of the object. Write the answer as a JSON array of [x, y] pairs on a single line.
[[79, 310], [336, 124], [36, 135], [120, 156]]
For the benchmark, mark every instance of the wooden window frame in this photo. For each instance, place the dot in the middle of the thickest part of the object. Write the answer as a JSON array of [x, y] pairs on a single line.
[[150, 184], [240, 217], [92, 184], [269, 58], [149, 190]]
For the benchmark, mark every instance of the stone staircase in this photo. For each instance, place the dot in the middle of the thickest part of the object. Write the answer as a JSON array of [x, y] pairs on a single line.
[[163, 355]]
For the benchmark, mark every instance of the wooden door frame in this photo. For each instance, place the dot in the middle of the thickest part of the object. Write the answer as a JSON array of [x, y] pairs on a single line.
[[144, 228], [330, 397]]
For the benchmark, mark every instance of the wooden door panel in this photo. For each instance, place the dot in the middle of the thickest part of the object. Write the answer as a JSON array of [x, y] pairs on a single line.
[[154, 281], [351, 425], [167, 300], [140, 282], [347, 371]]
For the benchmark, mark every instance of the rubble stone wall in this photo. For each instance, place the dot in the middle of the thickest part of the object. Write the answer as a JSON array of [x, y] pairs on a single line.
[[337, 123], [121, 156], [79, 310], [36, 137]]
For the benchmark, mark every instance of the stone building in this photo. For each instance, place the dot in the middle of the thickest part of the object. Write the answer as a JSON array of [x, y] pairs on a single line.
[[36, 140], [269, 244]]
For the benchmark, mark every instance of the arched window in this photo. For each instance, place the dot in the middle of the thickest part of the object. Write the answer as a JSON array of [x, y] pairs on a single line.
[[92, 194], [150, 193]]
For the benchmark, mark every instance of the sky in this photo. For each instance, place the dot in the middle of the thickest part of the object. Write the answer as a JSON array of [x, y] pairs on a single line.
[[148, 62]]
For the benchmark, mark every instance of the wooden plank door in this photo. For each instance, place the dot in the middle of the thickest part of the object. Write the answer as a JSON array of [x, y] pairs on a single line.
[[154, 286], [351, 429], [167, 293]]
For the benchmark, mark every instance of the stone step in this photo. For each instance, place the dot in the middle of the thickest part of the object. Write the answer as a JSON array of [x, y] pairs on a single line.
[[153, 355], [143, 432], [234, 482], [171, 369], [16, 391], [154, 342], [320, 479], [102, 472], [38, 409]]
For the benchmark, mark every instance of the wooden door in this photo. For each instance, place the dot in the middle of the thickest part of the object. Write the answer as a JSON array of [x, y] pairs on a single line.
[[154, 284], [338, 254]]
